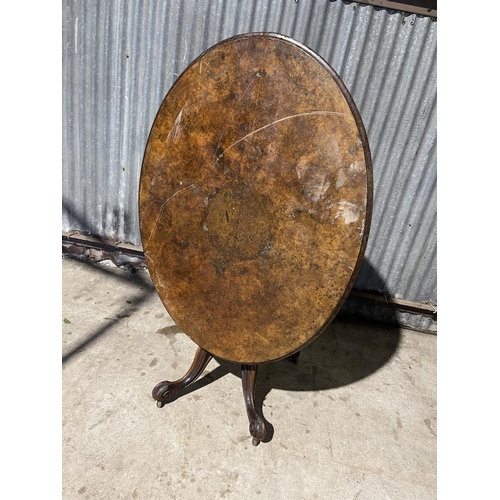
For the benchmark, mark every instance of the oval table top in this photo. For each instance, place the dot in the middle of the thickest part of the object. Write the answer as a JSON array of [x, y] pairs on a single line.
[[255, 198]]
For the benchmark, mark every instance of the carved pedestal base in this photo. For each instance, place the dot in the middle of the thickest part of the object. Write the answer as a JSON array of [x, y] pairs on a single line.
[[166, 392]]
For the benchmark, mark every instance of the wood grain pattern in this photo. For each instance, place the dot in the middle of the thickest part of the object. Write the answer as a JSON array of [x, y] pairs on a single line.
[[255, 198]]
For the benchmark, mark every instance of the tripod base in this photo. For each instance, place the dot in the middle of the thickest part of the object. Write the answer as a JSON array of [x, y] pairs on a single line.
[[166, 392]]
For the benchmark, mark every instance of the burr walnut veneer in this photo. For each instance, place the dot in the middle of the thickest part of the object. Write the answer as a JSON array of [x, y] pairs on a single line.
[[255, 204]]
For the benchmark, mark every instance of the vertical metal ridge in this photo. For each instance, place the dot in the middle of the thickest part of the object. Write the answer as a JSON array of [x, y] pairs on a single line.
[[110, 101]]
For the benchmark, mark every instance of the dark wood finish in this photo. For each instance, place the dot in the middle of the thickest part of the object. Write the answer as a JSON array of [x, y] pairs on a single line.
[[294, 358], [255, 198], [255, 205], [257, 425], [166, 391]]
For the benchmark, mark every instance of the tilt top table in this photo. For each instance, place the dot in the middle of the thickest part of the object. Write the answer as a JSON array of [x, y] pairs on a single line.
[[255, 204]]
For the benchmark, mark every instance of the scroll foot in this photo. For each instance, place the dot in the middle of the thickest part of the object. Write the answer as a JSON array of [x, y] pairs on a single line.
[[166, 391], [257, 423]]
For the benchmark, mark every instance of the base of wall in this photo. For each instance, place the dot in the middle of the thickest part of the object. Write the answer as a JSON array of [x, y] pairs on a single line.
[[419, 316]]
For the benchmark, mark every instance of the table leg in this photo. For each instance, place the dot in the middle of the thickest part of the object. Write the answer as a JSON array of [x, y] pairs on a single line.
[[257, 424], [168, 391], [294, 358]]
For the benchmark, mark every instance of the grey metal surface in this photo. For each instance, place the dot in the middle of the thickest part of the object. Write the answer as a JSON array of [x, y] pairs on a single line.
[[121, 57], [407, 7]]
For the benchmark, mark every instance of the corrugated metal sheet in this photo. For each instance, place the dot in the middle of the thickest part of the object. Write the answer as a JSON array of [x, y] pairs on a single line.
[[121, 57]]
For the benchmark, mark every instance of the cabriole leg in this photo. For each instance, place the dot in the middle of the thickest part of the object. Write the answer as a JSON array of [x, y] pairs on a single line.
[[166, 391], [257, 423]]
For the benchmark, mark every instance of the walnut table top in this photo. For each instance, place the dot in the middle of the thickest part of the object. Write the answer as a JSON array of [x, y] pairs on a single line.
[[255, 198]]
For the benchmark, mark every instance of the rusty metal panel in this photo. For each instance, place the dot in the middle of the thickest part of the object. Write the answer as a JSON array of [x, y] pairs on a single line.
[[413, 7], [121, 57]]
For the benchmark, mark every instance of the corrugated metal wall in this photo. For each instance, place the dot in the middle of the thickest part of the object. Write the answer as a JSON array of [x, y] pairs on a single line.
[[120, 57]]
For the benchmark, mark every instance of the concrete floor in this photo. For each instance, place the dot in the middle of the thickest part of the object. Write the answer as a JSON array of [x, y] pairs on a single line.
[[355, 418]]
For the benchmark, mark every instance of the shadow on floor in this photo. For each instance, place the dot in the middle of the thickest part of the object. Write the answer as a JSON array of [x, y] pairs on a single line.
[[146, 288], [347, 351]]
